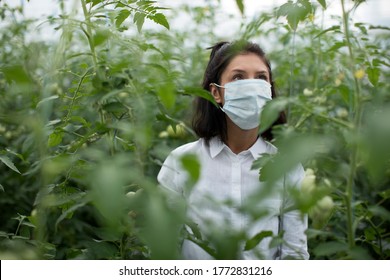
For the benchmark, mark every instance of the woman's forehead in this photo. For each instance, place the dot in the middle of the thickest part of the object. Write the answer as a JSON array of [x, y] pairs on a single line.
[[247, 62]]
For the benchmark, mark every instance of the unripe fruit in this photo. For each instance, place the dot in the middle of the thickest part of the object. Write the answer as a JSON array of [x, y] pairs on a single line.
[[321, 212], [163, 134], [307, 92], [123, 94], [130, 194], [308, 183], [325, 204], [179, 133], [341, 112]]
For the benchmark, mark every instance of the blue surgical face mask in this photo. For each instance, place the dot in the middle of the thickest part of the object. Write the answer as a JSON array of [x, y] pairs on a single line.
[[244, 101]]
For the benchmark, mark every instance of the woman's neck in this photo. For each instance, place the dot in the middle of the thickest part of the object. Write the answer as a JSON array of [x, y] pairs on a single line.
[[239, 140]]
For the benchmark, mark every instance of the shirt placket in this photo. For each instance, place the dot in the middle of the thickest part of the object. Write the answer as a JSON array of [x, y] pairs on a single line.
[[236, 192]]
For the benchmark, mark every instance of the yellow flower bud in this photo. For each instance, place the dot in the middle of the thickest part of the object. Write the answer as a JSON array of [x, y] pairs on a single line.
[[359, 74]]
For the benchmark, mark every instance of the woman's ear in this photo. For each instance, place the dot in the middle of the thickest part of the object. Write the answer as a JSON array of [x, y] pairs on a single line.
[[216, 93]]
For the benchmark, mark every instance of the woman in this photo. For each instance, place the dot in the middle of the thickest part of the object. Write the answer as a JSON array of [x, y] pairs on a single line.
[[239, 78]]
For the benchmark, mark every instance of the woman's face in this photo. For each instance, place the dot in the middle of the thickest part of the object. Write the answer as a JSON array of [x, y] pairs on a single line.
[[242, 66]]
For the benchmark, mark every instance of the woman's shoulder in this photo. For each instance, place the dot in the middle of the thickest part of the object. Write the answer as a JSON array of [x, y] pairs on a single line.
[[189, 148], [270, 148]]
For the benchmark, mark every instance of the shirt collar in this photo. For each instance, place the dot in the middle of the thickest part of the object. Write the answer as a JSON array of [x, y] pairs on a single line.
[[259, 147], [216, 146]]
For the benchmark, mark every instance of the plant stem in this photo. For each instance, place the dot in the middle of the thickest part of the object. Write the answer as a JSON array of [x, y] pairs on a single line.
[[98, 72], [89, 35], [356, 96], [70, 108], [292, 62], [355, 106]]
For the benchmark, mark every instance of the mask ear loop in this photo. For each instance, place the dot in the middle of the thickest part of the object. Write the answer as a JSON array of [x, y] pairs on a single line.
[[215, 84], [219, 86]]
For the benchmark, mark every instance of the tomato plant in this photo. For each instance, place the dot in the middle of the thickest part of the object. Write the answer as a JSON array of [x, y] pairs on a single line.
[[87, 118]]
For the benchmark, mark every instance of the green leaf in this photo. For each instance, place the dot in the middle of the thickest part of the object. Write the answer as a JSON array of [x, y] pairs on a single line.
[[16, 154], [370, 234], [69, 211], [385, 194], [362, 27], [293, 149], [16, 73], [332, 28], [1, 188], [330, 248], [6, 160], [380, 212], [195, 229], [199, 92], [159, 18], [254, 241], [101, 36], [55, 138], [360, 253], [44, 100], [107, 181], [344, 92], [191, 164], [379, 27], [115, 108], [121, 17], [205, 245], [377, 62], [295, 12], [167, 95], [81, 120], [373, 74], [336, 46], [139, 19], [99, 249], [271, 112], [322, 3], [240, 5], [94, 2]]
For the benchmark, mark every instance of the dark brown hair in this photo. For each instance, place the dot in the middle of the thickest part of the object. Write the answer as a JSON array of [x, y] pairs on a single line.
[[208, 120]]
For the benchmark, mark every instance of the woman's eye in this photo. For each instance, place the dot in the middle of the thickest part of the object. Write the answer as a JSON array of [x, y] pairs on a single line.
[[237, 77], [262, 77]]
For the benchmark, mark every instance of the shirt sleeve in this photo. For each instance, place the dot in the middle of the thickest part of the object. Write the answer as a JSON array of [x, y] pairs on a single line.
[[295, 224], [170, 174]]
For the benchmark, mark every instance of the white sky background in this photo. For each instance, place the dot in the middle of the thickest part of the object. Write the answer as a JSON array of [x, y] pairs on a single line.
[[375, 12]]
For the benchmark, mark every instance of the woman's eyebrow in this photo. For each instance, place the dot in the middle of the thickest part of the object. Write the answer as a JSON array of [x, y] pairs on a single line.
[[238, 70], [243, 71]]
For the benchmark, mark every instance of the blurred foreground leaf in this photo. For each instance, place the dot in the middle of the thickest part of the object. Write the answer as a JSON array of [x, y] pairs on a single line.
[[6, 160]]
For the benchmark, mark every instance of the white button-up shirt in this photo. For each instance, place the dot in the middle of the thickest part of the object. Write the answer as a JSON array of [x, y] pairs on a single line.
[[228, 197]]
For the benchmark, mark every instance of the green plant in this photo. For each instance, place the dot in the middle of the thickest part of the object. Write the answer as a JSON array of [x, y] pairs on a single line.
[[87, 119]]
